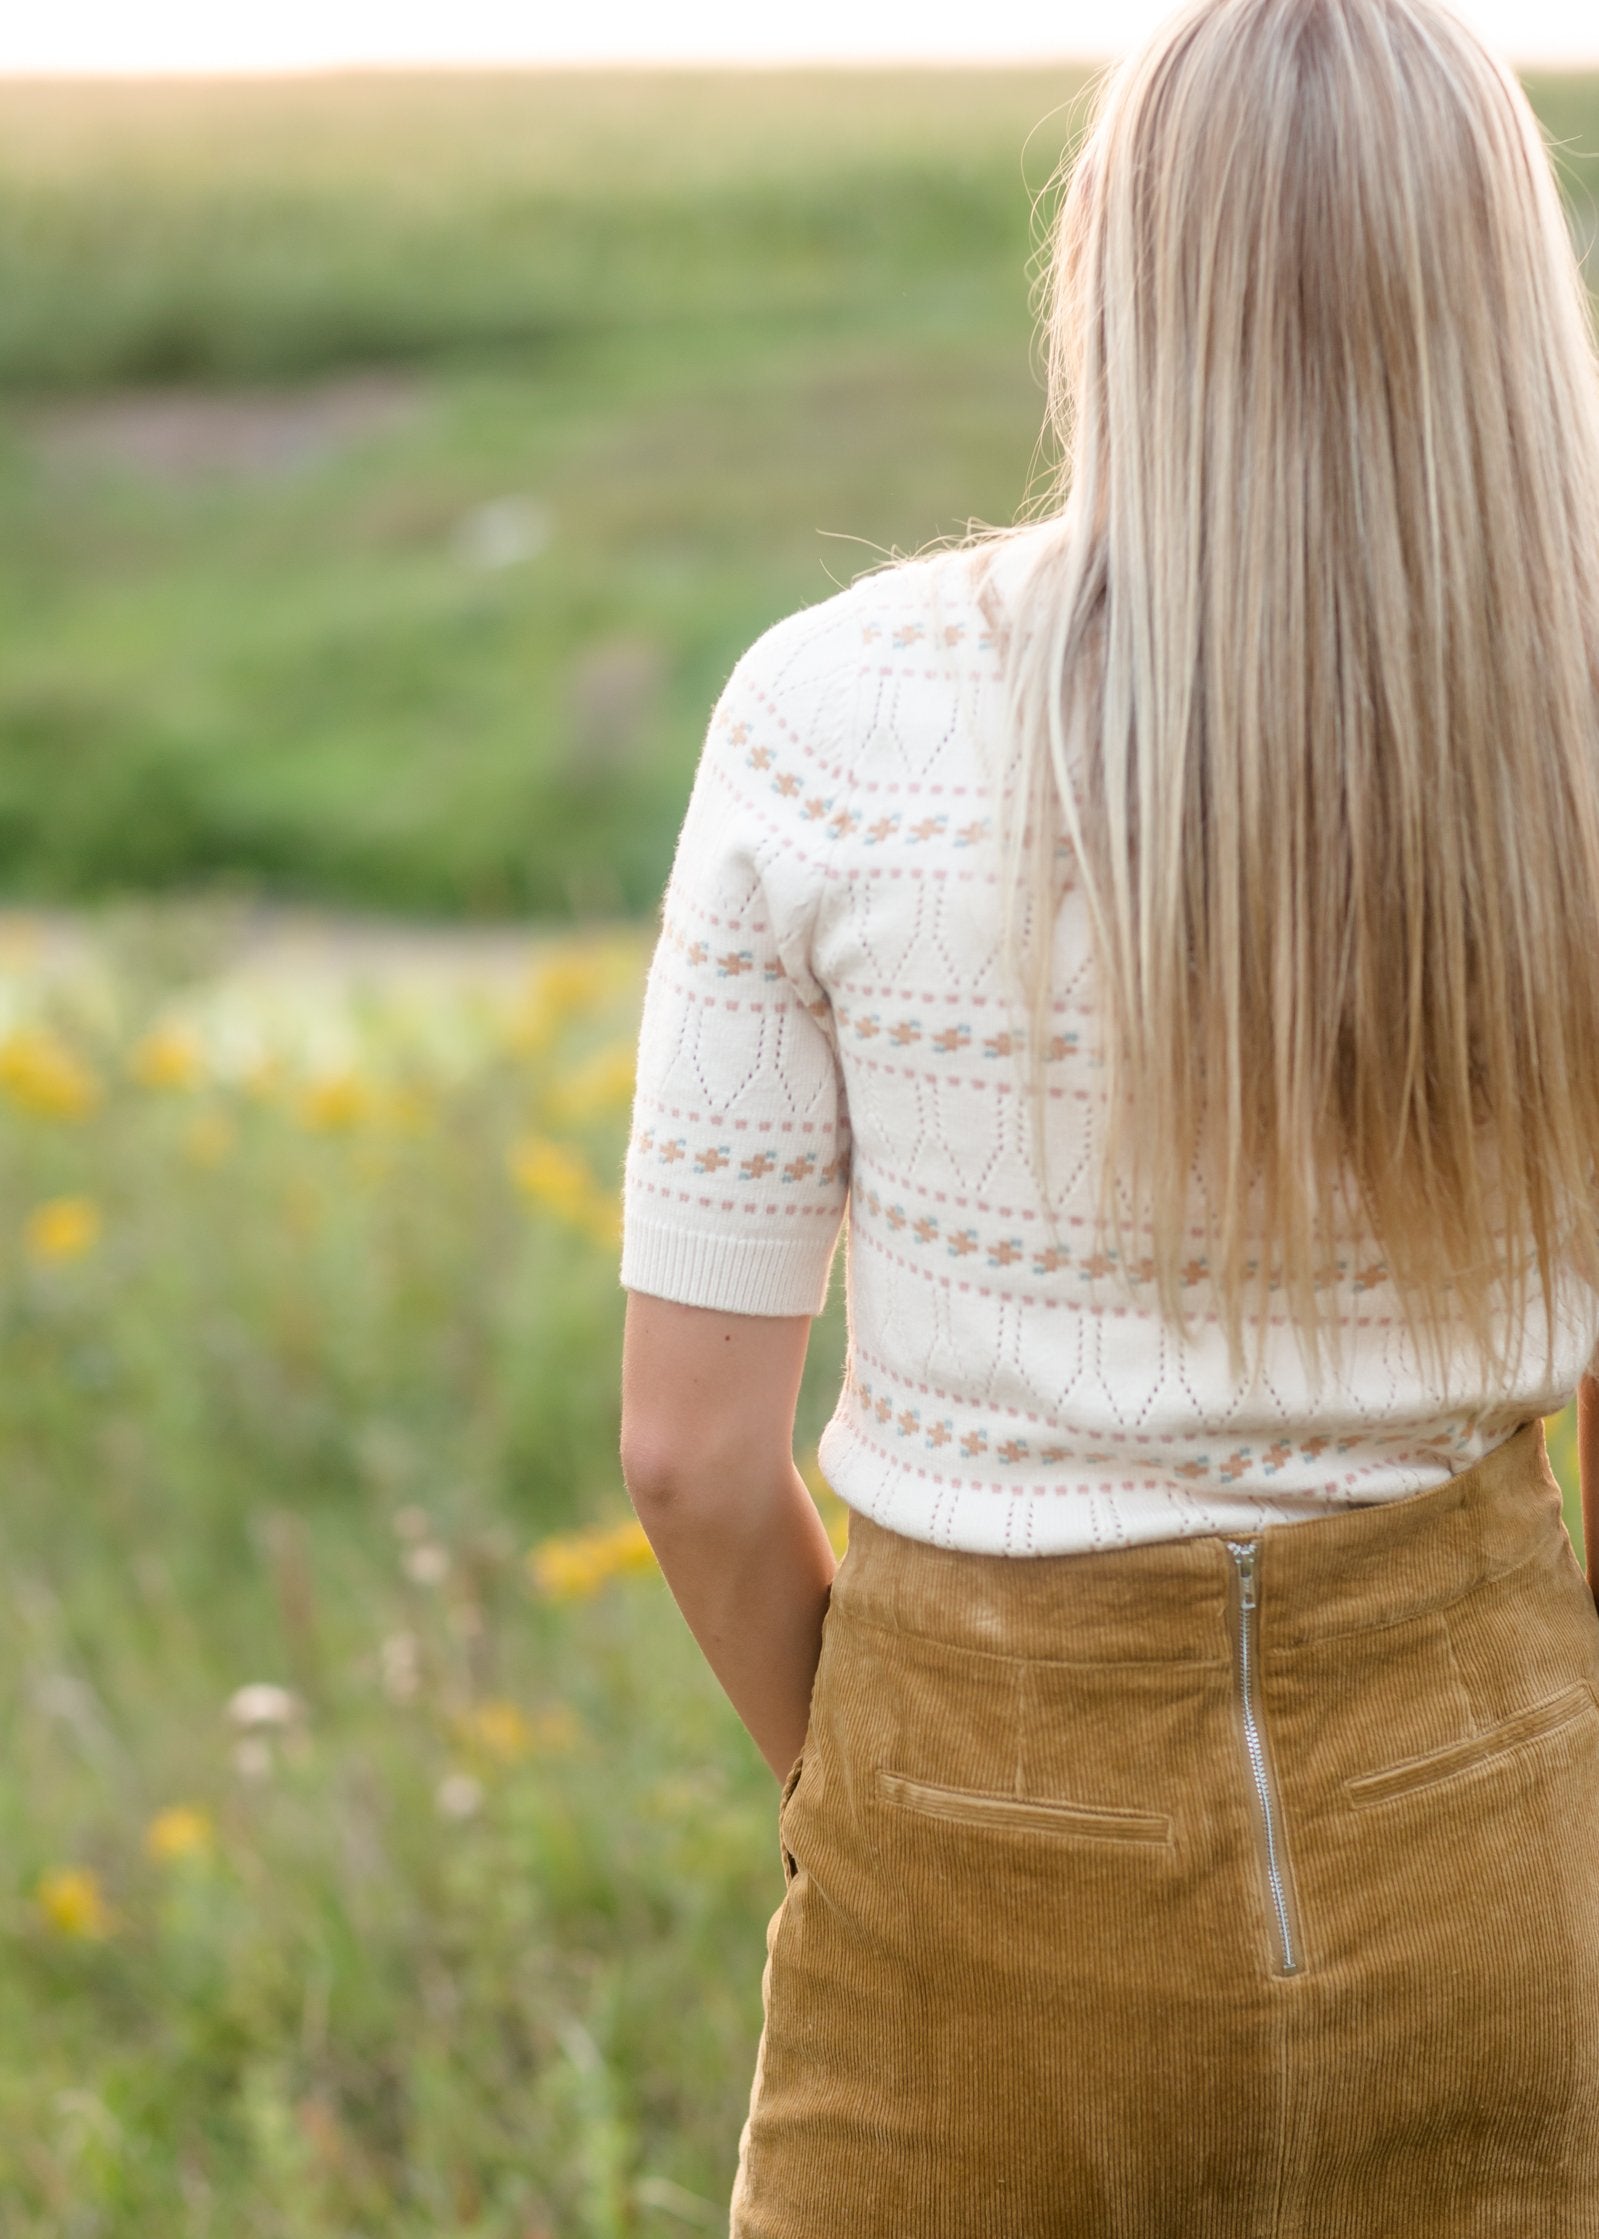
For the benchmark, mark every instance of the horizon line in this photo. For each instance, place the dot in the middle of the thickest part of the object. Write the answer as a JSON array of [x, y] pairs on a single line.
[[1585, 63]]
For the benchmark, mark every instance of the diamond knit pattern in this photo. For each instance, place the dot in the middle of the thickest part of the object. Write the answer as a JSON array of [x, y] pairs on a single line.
[[829, 1047]]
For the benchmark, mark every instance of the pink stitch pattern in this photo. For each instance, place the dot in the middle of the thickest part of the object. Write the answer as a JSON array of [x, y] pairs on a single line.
[[829, 1038]]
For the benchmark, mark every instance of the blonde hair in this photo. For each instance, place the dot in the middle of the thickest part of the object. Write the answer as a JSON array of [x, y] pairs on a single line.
[[1308, 666]]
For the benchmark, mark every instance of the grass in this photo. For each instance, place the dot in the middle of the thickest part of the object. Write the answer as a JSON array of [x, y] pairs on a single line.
[[729, 338], [723, 339], [308, 1345]]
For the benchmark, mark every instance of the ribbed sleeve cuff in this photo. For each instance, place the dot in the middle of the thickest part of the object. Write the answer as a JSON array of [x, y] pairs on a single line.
[[734, 1274]]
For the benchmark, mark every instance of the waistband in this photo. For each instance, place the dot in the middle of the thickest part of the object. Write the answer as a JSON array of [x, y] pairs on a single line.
[[1162, 1600]]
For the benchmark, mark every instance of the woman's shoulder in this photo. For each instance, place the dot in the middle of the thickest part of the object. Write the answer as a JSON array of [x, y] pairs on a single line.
[[927, 603]]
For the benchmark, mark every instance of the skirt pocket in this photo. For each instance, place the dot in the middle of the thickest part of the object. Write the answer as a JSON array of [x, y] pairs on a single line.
[[1509, 1738], [994, 1808]]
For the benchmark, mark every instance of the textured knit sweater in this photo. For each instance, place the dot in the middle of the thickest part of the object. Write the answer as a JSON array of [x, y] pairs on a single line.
[[827, 1031]]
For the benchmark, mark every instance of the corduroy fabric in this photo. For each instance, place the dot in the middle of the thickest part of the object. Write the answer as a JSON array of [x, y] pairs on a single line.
[[1027, 1979]]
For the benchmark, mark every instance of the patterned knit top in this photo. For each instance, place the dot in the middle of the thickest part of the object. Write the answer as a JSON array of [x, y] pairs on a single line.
[[826, 1033]]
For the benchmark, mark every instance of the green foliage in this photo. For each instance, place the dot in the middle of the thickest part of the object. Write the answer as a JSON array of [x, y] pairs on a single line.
[[705, 345], [309, 1330]]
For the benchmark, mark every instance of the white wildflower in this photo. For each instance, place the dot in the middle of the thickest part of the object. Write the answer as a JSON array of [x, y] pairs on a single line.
[[426, 1564], [459, 1795], [263, 1704], [503, 533]]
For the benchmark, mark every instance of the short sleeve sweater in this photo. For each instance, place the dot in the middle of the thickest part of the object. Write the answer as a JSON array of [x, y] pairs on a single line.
[[825, 1048]]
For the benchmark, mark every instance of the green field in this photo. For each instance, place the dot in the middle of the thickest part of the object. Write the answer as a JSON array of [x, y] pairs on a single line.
[[721, 341], [391, 472], [308, 1359], [272, 355]]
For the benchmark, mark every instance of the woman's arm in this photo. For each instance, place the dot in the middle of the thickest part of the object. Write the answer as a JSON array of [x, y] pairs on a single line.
[[708, 1404]]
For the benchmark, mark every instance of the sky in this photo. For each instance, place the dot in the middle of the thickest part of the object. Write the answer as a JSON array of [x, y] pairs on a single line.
[[158, 36]]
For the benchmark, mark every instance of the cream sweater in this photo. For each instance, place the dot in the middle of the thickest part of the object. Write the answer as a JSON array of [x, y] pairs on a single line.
[[825, 1030]]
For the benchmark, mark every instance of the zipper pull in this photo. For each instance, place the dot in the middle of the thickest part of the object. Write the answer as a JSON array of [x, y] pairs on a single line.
[[1244, 1552]]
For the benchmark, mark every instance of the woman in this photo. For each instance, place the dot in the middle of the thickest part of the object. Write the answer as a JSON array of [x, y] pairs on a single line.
[[1181, 908]]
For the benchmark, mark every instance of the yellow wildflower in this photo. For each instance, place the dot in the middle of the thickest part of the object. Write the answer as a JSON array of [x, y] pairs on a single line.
[[62, 1228], [568, 984], [574, 1564], [167, 1057], [40, 1074], [552, 1175], [71, 1901], [602, 1084], [209, 1138], [181, 1831], [559, 1179], [498, 1729], [335, 1102]]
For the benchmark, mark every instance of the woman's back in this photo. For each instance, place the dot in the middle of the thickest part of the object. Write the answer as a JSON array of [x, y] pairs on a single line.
[[829, 1022]]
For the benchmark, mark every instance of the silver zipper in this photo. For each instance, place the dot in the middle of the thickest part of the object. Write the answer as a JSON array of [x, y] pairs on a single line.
[[1245, 1553]]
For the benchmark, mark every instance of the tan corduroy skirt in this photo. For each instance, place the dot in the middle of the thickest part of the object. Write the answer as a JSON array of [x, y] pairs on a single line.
[[1236, 1887]]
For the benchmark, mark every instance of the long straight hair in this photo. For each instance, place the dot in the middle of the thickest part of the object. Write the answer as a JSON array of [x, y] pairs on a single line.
[[1307, 672]]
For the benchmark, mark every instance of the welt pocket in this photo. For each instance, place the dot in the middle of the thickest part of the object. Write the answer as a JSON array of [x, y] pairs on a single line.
[[1510, 1736], [994, 1808]]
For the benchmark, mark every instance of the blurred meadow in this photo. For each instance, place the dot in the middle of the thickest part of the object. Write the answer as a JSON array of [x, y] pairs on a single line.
[[392, 469]]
